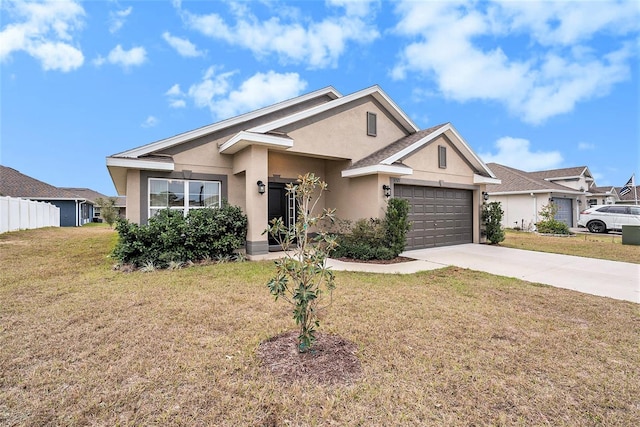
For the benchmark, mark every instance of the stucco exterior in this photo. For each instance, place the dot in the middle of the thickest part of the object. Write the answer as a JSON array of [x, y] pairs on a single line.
[[322, 132]]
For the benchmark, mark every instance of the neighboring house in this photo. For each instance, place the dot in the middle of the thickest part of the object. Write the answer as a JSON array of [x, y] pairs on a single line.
[[360, 144], [91, 196], [628, 198], [75, 210], [121, 205], [602, 196], [523, 194]]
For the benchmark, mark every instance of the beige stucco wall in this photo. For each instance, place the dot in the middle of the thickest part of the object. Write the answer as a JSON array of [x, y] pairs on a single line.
[[252, 163], [133, 195], [425, 164], [344, 135]]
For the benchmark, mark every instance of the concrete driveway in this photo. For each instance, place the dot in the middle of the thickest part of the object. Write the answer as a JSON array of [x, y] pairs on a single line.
[[619, 280]]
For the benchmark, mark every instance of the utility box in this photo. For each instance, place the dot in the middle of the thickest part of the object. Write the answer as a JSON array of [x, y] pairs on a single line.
[[631, 234]]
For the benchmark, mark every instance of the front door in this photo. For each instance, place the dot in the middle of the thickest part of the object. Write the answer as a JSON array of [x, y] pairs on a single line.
[[281, 205]]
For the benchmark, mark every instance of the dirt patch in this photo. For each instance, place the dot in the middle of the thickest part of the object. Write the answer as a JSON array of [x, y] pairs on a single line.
[[395, 260], [332, 360]]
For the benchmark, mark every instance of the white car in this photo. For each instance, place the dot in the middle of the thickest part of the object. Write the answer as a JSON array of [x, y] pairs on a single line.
[[602, 218]]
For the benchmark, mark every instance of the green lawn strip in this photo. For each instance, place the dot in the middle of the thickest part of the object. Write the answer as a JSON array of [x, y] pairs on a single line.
[[608, 246]]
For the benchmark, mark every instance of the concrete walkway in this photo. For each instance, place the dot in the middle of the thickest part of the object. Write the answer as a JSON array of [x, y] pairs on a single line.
[[618, 280]]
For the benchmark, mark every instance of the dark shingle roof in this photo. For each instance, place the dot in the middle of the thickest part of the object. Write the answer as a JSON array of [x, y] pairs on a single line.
[[16, 184], [515, 180], [85, 193], [631, 195], [393, 148], [559, 173]]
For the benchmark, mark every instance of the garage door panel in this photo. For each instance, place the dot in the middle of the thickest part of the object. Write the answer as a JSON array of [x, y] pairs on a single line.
[[439, 216]]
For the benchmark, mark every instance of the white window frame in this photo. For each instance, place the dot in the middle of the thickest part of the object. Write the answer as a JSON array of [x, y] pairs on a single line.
[[185, 208]]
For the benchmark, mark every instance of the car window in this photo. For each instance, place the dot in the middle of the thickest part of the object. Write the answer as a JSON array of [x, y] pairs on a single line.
[[617, 210], [603, 209], [634, 211]]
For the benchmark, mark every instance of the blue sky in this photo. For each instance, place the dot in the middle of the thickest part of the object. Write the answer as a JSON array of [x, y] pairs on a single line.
[[532, 85]]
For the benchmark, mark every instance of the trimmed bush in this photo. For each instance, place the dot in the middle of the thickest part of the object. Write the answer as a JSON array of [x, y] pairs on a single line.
[[492, 215], [374, 238], [170, 237]]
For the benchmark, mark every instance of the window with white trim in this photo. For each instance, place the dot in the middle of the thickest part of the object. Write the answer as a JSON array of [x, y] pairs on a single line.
[[182, 195]]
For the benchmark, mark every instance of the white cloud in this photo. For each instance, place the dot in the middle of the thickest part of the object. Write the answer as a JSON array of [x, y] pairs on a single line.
[[586, 146], [465, 51], [44, 31], [177, 103], [216, 92], [183, 46], [516, 153], [318, 44], [117, 19], [125, 58], [258, 91], [151, 121]]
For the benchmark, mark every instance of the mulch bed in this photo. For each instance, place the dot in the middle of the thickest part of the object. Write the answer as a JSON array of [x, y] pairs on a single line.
[[395, 260], [332, 359]]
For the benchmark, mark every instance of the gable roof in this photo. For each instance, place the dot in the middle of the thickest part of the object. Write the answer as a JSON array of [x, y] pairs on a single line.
[[388, 159], [516, 181], [329, 92], [16, 184], [564, 173], [266, 130]]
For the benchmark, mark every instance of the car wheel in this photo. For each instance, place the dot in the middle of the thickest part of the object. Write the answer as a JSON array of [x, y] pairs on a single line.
[[597, 227]]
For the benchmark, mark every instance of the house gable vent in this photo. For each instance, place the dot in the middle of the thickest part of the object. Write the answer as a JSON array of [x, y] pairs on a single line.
[[372, 126]]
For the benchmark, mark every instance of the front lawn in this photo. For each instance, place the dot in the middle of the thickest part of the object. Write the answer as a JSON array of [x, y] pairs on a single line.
[[606, 246], [82, 344]]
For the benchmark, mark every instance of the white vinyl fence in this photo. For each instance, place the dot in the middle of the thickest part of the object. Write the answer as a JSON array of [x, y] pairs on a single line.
[[22, 214]]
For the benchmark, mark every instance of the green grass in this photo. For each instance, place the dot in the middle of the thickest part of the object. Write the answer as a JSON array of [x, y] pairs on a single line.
[[608, 246], [82, 344]]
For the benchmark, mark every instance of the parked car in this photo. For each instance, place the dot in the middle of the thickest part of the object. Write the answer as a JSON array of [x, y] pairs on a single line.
[[602, 218]]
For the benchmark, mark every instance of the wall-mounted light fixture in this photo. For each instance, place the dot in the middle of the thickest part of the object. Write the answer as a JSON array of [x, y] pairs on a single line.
[[261, 187], [579, 201], [485, 196], [387, 190]]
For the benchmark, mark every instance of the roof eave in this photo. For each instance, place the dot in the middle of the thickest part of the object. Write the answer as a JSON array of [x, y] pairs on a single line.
[[374, 91], [244, 139], [377, 169]]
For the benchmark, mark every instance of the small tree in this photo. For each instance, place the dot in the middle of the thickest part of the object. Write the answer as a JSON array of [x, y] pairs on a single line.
[[108, 210], [302, 277], [492, 217]]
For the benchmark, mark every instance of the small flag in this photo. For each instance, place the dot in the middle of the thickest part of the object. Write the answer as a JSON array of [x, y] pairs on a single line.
[[627, 187]]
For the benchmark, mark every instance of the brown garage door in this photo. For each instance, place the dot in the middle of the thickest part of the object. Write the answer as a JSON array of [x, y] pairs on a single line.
[[439, 216]]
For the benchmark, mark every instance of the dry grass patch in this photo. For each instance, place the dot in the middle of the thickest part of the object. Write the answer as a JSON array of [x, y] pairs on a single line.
[[82, 344], [608, 246]]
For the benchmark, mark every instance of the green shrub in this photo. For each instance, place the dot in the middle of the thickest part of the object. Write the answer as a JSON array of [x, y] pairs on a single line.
[[549, 223], [492, 217], [171, 238], [396, 223], [374, 238]]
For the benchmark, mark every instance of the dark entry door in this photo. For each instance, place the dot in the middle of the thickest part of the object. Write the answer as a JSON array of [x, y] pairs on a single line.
[[280, 206]]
